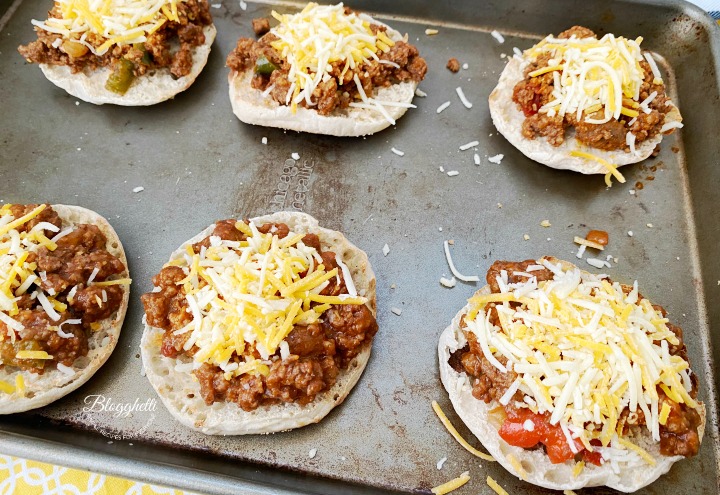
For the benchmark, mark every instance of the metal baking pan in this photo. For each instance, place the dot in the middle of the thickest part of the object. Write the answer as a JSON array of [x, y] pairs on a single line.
[[198, 163]]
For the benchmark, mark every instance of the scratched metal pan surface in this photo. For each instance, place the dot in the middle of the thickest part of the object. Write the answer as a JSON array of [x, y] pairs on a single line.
[[198, 163]]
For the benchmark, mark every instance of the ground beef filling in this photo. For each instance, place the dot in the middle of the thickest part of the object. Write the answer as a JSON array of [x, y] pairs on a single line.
[[77, 255], [678, 436], [335, 93], [170, 46], [318, 352], [532, 93]]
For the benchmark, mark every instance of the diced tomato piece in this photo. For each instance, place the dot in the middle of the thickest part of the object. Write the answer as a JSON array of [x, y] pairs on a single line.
[[515, 434], [552, 436]]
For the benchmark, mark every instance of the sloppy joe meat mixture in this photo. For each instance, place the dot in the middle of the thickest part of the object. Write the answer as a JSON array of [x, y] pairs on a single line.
[[335, 93], [678, 436], [66, 268], [170, 46], [318, 352], [532, 93]]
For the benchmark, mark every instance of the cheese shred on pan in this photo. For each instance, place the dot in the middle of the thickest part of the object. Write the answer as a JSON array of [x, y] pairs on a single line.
[[321, 35], [245, 297], [448, 425], [496, 487], [119, 22], [452, 485], [584, 350]]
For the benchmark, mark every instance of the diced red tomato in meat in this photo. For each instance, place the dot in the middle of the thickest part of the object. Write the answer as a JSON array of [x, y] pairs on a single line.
[[556, 445]]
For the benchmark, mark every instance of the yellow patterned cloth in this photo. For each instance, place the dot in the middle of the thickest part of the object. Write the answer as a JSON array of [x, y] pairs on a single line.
[[24, 477]]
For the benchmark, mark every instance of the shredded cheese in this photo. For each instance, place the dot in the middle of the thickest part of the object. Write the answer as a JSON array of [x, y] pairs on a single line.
[[584, 242], [18, 275], [321, 35], [6, 387], [612, 169], [20, 384], [593, 76], [452, 485], [517, 466], [495, 487], [246, 297], [450, 428], [583, 351], [579, 466], [32, 355], [116, 22], [455, 272]]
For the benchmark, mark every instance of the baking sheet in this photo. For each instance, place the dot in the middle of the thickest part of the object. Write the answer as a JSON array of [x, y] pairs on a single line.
[[198, 164]]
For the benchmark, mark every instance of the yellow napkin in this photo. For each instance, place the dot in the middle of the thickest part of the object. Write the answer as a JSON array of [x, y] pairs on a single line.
[[25, 477]]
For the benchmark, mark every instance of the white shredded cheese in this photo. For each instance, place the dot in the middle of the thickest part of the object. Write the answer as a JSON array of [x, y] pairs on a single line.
[[469, 145], [453, 173], [47, 306], [138, 189], [455, 272], [65, 369], [264, 140], [312, 453], [449, 283], [671, 125], [476, 159], [442, 107], [386, 250], [420, 93], [630, 141], [499, 37], [92, 276], [496, 159], [397, 152], [397, 311], [462, 97], [441, 462]]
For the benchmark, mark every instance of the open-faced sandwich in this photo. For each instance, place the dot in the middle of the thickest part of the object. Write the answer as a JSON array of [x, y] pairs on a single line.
[[325, 70], [64, 290], [124, 52], [259, 326], [570, 379], [585, 104]]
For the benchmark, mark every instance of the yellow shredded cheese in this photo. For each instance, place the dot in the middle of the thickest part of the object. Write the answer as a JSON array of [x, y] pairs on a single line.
[[495, 486], [20, 384], [6, 387], [450, 428], [119, 281], [452, 485], [32, 355], [569, 492], [579, 466], [117, 22], [612, 169], [664, 413], [584, 351], [246, 297], [517, 466]]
